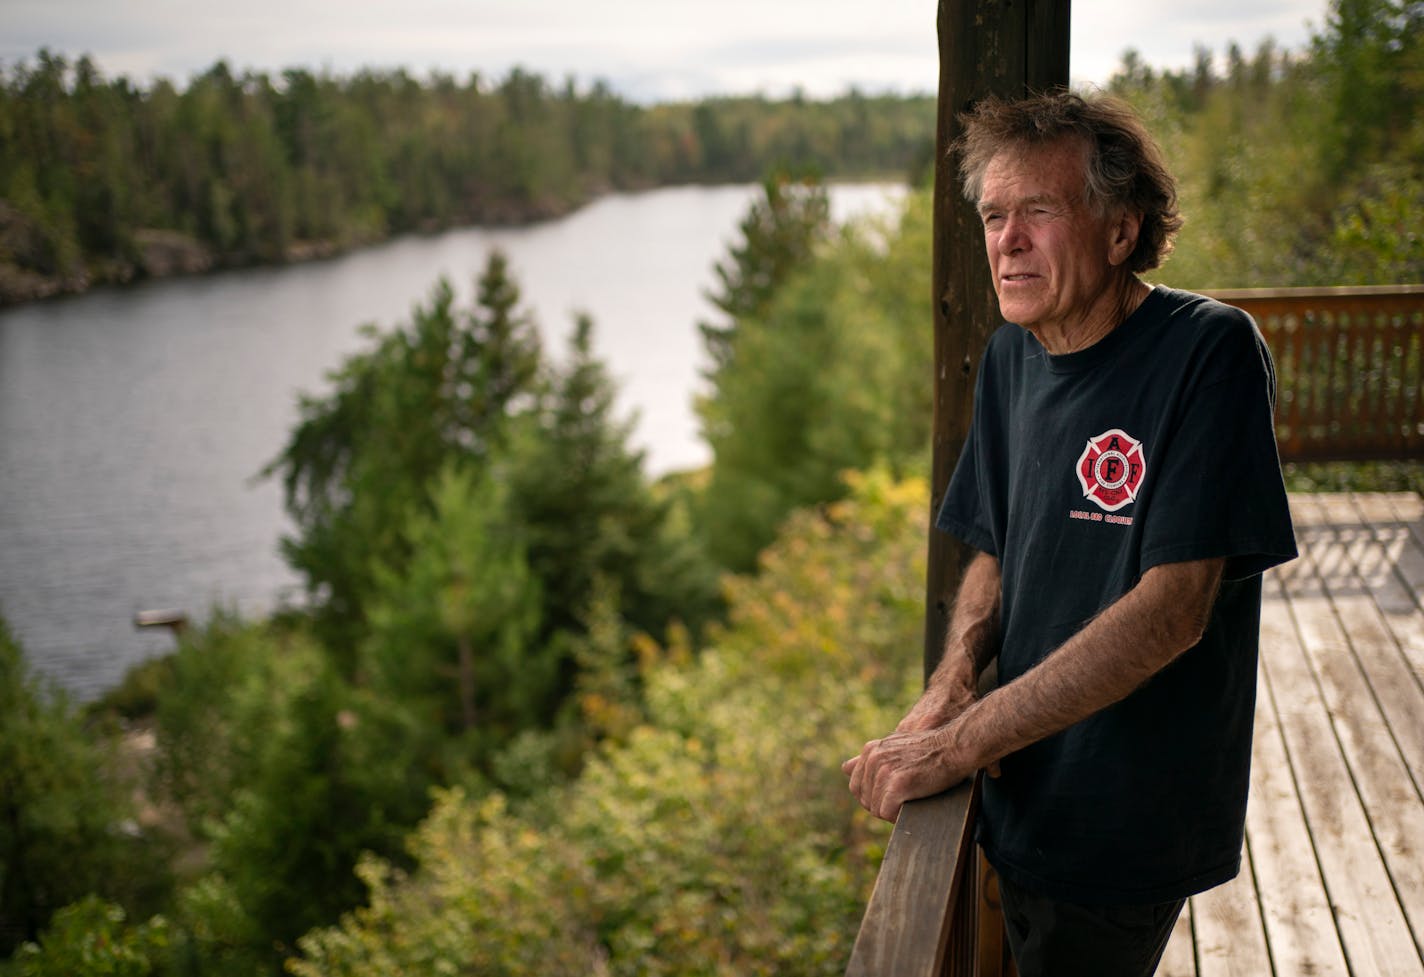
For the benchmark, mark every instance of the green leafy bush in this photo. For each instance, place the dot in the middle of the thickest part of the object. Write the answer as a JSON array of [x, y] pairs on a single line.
[[718, 837], [90, 939], [67, 822]]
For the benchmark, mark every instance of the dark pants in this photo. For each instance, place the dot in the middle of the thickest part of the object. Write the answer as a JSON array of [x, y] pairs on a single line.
[[1062, 939]]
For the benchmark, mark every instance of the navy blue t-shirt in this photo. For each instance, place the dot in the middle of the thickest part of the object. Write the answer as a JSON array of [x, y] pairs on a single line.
[[1080, 473]]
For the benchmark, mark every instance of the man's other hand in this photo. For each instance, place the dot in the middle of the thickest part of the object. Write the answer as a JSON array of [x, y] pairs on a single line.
[[905, 766]]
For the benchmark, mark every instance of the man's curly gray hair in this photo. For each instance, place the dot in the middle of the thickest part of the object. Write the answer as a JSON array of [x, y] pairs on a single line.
[[1124, 167]]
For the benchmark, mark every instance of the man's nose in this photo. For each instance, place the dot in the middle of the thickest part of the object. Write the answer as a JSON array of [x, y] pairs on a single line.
[[1012, 238]]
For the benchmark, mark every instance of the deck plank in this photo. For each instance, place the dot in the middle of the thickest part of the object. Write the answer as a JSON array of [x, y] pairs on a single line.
[[1373, 929], [1179, 959], [1230, 936], [1394, 569], [1300, 925], [1381, 620], [1375, 708]]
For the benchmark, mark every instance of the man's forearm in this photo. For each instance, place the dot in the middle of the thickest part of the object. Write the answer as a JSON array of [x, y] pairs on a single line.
[[1163, 616], [971, 642], [972, 639], [1128, 643]]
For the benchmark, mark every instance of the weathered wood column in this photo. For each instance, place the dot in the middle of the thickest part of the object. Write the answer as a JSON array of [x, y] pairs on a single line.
[[986, 47], [999, 47]]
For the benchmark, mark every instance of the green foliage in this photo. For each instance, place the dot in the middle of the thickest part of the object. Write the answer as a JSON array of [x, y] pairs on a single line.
[[286, 774], [363, 458], [466, 395], [718, 837], [1376, 235], [63, 809], [1371, 53], [578, 488], [1356, 476], [331, 783], [452, 631], [227, 692], [1297, 168], [90, 939], [779, 235], [829, 372], [136, 695]]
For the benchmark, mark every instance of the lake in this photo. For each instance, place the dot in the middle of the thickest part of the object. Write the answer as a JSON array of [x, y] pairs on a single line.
[[134, 421]]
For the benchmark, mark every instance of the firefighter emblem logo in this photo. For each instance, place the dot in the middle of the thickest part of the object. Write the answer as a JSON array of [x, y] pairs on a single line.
[[1111, 469]]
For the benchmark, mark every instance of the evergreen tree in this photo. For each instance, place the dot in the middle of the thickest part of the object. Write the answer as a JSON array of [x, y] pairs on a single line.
[[362, 459], [334, 779], [779, 234], [827, 370], [1364, 53], [578, 489], [452, 631]]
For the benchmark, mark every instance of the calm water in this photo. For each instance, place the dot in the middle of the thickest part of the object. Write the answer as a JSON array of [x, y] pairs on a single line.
[[133, 421]]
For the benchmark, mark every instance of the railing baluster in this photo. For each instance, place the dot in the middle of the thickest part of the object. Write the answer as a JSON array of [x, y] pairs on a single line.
[[1348, 364]]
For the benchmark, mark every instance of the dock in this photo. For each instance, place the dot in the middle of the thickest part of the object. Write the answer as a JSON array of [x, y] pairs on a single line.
[[1332, 883]]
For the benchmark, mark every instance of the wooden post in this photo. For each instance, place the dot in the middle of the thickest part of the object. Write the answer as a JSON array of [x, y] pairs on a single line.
[[986, 47], [1007, 48], [932, 912]]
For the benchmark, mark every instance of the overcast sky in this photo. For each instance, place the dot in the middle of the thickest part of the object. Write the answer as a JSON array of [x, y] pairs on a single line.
[[647, 50]]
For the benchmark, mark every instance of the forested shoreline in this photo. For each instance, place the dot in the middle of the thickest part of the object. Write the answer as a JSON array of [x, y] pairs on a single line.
[[105, 181], [538, 713]]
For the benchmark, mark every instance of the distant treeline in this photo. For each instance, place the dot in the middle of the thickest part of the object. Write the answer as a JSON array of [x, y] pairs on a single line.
[[101, 180], [1297, 168]]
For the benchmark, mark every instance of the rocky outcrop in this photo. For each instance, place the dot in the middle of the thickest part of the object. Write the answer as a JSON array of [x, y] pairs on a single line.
[[163, 253]]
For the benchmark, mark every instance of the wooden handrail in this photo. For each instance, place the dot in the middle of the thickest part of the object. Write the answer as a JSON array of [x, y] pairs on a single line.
[[923, 914], [1231, 295], [1350, 368]]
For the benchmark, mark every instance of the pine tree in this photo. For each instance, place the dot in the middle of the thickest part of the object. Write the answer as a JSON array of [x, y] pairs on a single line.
[[591, 518], [779, 234], [452, 630], [364, 457]]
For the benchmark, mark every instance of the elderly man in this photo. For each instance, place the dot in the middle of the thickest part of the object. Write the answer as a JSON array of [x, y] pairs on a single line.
[[1122, 488]]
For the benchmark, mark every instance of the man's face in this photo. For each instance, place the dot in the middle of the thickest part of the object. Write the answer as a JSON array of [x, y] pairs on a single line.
[[1051, 257]]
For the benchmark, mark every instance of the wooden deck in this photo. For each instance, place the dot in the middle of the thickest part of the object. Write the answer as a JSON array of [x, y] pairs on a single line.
[[1333, 883]]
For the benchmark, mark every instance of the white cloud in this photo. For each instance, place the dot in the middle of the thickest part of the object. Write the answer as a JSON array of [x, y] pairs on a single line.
[[646, 48]]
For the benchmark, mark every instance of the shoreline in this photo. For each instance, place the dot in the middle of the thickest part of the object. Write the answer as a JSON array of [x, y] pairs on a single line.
[[167, 253]]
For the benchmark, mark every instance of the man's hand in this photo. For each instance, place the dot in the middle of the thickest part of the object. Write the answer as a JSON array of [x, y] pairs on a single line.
[[905, 766]]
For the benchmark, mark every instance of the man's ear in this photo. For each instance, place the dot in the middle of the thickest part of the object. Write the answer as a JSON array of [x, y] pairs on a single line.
[[1122, 236]]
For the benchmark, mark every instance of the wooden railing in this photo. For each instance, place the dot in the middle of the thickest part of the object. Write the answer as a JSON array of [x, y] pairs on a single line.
[[1350, 387], [1349, 367], [924, 906]]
